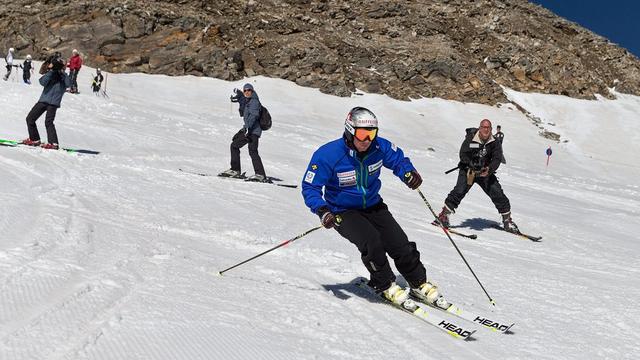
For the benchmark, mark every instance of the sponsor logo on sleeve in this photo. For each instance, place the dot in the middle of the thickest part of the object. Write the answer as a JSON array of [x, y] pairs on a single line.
[[309, 177]]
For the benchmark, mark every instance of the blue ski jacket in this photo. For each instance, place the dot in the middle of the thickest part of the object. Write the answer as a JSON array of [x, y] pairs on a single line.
[[55, 83], [350, 181]]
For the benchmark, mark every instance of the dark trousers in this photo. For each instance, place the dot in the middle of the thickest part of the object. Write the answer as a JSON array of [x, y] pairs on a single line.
[[488, 184], [37, 111], [6, 76], [26, 77], [238, 141], [376, 233], [73, 74]]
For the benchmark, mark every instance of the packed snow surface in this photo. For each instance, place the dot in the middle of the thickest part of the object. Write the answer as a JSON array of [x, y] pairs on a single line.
[[115, 256]]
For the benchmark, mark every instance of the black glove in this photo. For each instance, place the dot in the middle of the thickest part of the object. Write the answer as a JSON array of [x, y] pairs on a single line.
[[327, 218], [413, 179], [236, 95]]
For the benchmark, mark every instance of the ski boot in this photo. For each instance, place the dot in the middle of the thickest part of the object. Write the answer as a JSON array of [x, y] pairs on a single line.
[[30, 142], [508, 224], [396, 294], [50, 146], [429, 294], [443, 217], [232, 174], [258, 178]]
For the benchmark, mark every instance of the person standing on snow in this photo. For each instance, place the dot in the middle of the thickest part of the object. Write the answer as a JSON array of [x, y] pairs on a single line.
[[75, 63], [9, 60], [27, 69], [341, 186], [249, 134], [500, 136], [97, 81], [55, 82], [480, 156]]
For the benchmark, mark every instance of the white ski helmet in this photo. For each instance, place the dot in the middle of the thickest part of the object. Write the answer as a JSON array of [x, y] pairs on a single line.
[[11, 50], [359, 117], [28, 57]]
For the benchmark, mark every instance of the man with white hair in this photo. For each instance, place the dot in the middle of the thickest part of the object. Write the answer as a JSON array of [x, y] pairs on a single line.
[[9, 60], [75, 63]]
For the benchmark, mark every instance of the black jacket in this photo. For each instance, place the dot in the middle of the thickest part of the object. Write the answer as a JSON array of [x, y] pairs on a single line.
[[475, 155]]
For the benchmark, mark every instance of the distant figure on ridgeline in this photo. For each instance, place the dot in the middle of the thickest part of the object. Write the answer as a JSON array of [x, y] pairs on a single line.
[[480, 156], [55, 82], [75, 63], [27, 69], [9, 60], [250, 110], [500, 136], [97, 81]]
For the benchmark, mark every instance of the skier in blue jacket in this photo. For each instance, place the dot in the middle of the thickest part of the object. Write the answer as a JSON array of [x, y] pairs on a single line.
[[348, 171]]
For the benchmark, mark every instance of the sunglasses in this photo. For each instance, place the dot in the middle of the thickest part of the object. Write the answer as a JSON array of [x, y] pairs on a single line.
[[363, 134], [245, 90]]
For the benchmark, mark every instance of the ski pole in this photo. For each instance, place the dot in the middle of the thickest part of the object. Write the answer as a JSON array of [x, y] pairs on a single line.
[[450, 170], [455, 246], [273, 248]]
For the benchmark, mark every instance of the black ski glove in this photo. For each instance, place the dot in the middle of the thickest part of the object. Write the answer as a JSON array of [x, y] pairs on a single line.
[[327, 218], [413, 179]]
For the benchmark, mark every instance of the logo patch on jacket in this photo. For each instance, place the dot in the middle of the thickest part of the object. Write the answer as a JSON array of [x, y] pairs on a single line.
[[374, 167], [309, 177], [347, 178]]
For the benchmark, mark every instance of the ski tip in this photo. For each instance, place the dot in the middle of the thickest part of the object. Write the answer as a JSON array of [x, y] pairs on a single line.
[[473, 236]]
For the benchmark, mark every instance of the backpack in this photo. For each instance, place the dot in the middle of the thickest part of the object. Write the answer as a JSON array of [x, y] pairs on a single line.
[[265, 119]]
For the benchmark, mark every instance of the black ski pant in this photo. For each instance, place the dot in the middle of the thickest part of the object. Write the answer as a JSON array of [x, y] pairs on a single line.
[[26, 77], [488, 184], [376, 233], [73, 74], [238, 141], [37, 111], [6, 76]]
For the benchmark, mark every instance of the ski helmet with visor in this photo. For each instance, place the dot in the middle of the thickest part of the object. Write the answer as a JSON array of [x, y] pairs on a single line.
[[362, 124]]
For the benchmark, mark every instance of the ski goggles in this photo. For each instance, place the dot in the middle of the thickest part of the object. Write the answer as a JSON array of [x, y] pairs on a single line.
[[363, 134]]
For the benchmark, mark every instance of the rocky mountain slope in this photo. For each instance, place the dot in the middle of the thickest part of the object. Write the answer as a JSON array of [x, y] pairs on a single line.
[[462, 50]]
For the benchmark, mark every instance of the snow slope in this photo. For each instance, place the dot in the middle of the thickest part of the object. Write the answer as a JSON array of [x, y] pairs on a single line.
[[114, 256]]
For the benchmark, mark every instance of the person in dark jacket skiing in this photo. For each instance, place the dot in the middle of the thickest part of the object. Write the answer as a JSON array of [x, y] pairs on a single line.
[[249, 134], [480, 156], [97, 81], [55, 81], [500, 136], [341, 186], [27, 69]]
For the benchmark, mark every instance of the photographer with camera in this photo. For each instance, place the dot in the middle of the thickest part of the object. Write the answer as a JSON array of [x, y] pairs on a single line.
[[480, 156], [55, 81]]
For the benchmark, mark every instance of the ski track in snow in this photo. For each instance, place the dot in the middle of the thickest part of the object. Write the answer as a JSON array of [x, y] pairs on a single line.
[[115, 256]]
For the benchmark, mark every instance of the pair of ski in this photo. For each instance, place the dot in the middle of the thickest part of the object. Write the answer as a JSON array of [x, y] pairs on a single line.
[[425, 312], [498, 227], [13, 143], [270, 180]]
